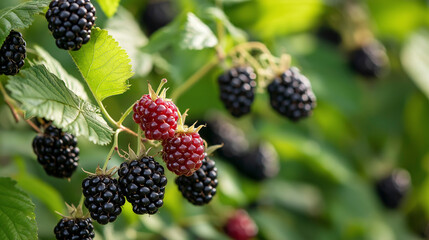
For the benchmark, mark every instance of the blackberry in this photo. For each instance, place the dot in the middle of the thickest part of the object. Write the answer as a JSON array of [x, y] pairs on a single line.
[[70, 22], [103, 198], [156, 15], [74, 229], [237, 90], [291, 95], [392, 189], [369, 60], [57, 151], [12, 54], [200, 187], [143, 184], [329, 35], [220, 131], [259, 163]]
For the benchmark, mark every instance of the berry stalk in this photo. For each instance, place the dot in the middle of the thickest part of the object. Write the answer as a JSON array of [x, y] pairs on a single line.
[[114, 147]]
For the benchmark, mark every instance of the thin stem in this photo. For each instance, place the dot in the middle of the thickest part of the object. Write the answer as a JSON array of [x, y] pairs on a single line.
[[82, 198], [139, 140], [10, 103], [112, 150], [106, 114], [194, 78], [123, 128], [124, 116]]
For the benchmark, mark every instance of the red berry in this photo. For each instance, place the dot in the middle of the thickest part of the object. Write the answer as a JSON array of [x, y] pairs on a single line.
[[156, 115], [240, 226], [183, 153]]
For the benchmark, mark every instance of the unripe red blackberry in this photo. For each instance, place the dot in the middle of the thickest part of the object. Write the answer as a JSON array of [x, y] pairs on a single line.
[[12, 53], [156, 115], [143, 184], [74, 229], [237, 90], [57, 152], [240, 226], [200, 187], [157, 14], [103, 197], [392, 189], [184, 152], [291, 95], [70, 22], [369, 60]]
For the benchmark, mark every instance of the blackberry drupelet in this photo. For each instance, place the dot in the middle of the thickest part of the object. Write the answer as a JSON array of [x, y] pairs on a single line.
[[156, 15], [260, 163], [237, 90], [12, 54], [143, 184], [291, 95], [369, 60], [74, 229], [57, 151], [392, 189], [200, 187], [70, 22], [103, 198]]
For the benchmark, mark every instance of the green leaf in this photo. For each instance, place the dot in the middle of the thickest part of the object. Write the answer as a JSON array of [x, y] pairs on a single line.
[[121, 27], [19, 16], [104, 65], [238, 34], [17, 218], [55, 67], [197, 35], [43, 94], [416, 61], [109, 7], [164, 37]]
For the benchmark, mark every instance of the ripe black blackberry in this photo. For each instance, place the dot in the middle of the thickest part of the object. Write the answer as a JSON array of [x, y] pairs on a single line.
[[259, 163], [57, 151], [156, 15], [70, 22], [103, 197], [12, 54], [237, 90], [291, 95], [74, 229], [369, 60], [220, 131], [143, 184], [200, 187], [392, 189], [329, 35]]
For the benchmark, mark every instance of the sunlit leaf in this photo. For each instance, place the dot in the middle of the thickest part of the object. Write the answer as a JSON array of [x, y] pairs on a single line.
[[196, 34], [109, 7]]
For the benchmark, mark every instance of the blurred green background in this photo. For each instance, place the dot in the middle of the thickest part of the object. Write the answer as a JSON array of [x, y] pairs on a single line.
[[360, 131]]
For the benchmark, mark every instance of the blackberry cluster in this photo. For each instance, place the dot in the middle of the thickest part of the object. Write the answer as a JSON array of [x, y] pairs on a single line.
[[12, 54], [103, 198], [200, 187], [237, 90], [74, 229], [369, 60], [70, 22], [143, 184], [156, 15], [291, 95], [57, 151], [260, 163], [393, 188]]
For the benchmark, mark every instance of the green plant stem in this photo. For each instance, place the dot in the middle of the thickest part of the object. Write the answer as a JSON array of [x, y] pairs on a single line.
[[124, 116], [114, 146], [106, 114], [194, 78], [139, 139], [82, 198]]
